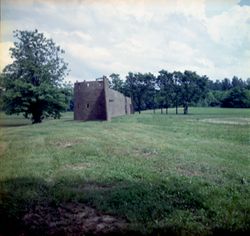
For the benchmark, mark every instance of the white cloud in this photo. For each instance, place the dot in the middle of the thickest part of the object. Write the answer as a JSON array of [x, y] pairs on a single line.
[[73, 79], [230, 28], [83, 52], [101, 37], [5, 58], [181, 49]]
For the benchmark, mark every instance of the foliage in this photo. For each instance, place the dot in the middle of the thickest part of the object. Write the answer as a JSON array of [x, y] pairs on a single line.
[[33, 82], [228, 93], [1, 92], [212, 99], [187, 88], [168, 89], [237, 83], [238, 98], [193, 87], [226, 84], [166, 85], [116, 82], [139, 87]]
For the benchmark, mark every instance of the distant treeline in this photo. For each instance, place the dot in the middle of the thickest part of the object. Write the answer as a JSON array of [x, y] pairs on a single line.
[[174, 89]]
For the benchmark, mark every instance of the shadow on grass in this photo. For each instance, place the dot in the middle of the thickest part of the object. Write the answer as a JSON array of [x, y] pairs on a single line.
[[32, 206], [8, 125], [13, 121]]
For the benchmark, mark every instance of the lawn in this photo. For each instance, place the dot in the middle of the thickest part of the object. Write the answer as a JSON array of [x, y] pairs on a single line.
[[138, 174]]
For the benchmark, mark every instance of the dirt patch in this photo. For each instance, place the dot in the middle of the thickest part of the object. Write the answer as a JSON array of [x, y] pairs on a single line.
[[72, 219], [66, 143], [77, 166], [184, 171], [239, 121]]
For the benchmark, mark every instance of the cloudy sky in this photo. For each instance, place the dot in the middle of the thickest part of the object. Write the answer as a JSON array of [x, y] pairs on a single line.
[[211, 37]]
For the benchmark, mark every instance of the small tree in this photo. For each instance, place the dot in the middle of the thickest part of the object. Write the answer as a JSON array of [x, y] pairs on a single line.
[[33, 82]]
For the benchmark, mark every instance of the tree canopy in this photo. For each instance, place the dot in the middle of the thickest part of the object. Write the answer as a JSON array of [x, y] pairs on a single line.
[[174, 89], [34, 81], [165, 90], [116, 82], [193, 88], [238, 98], [139, 87]]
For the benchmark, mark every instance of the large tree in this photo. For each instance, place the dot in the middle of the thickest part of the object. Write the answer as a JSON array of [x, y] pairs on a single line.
[[177, 78], [193, 88], [140, 88], [34, 81]]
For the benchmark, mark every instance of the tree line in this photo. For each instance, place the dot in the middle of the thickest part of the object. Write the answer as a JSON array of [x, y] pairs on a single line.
[[33, 84], [229, 93], [174, 89]]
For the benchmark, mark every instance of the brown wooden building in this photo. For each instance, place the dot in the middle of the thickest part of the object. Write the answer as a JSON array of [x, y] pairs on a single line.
[[94, 100]]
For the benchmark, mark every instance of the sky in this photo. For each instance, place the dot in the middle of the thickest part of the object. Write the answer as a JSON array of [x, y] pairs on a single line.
[[100, 37]]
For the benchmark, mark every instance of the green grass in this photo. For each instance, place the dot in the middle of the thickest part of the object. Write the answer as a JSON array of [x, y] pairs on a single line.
[[162, 173]]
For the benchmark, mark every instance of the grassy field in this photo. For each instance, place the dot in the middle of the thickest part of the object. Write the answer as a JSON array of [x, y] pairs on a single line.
[[146, 174]]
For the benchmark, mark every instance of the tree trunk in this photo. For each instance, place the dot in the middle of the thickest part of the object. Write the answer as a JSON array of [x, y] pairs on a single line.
[[154, 110], [36, 118], [139, 106], [176, 108], [161, 111], [166, 110], [186, 108]]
